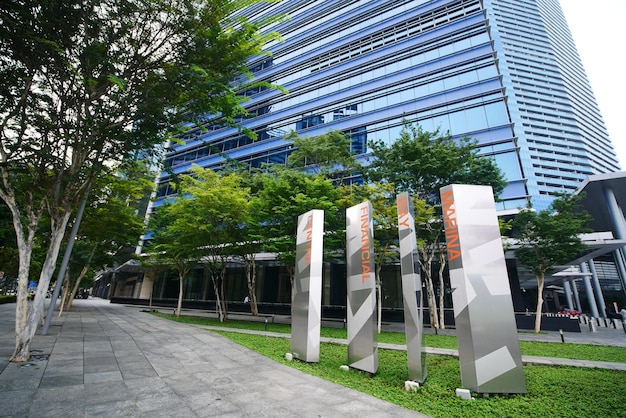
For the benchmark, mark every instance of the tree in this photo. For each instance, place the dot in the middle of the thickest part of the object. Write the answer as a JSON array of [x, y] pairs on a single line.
[[204, 224], [112, 222], [420, 163], [284, 195], [174, 241], [549, 238], [328, 154], [86, 83]]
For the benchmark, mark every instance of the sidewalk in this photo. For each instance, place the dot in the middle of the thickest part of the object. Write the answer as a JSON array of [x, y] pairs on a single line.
[[111, 360]]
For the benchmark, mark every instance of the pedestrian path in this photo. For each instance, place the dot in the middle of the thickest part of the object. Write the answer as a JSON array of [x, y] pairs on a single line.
[[111, 360]]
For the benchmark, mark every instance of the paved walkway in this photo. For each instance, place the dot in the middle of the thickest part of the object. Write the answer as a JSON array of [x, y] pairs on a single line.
[[115, 361], [112, 360]]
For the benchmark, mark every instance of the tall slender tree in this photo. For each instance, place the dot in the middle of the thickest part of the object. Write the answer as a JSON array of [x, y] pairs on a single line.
[[420, 163], [90, 82], [549, 238], [284, 195]]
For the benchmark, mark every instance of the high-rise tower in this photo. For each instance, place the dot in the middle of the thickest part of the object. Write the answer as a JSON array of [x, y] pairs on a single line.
[[503, 72]]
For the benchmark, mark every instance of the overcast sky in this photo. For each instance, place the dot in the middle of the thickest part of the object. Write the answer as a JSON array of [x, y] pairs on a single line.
[[599, 30]]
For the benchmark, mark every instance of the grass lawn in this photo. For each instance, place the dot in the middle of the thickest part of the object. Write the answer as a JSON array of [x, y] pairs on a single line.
[[552, 391]]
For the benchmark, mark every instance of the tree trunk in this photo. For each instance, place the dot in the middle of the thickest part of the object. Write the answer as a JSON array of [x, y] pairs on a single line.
[[540, 282], [151, 293], [223, 290], [442, 290], [76, 287], [65, 291], [251, 279], [24, 248], [179, 304], [426, 264], [82, 274], [379, 294], [26, 331], [218, 302]]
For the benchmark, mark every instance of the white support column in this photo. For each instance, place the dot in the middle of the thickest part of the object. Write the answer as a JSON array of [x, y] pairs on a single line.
[[618, 255], [568, 294], [576, 296], [619, 223], [590, 297], [597, 289]]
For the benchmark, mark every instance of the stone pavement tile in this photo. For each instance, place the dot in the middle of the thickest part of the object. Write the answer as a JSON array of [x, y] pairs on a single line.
[[137, 360], [221, 408], [254, 402], [201, 399], [97, 346], [282, 375], [58, 381], [15, 402], [63, 370], [59, 355], [102, 364], [138, 373], [140, 387], [47, 409], [198, 366], [96, 393], [113, 409], [60, 394], [69, 347], [122, 353], [179, 410], [26, 370], [150, 350], [278, 393], [97, 354], [19, 384], [101, 377], [55, 361], [157, 400], [95, 336], [184, 382]]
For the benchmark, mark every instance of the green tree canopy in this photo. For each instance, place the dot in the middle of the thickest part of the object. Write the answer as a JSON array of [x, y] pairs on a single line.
[[421, 162], [284, 195], [206, 221], [549, 238], [87, 83], [328, 154]]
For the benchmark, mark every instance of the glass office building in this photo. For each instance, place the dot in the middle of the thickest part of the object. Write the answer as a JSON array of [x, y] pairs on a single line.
[[503, 72]]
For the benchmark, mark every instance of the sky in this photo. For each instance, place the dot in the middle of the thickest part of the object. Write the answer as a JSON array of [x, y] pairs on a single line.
[[599, 31]]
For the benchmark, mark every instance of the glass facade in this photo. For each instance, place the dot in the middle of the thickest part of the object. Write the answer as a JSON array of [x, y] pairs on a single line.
[[503, 72]]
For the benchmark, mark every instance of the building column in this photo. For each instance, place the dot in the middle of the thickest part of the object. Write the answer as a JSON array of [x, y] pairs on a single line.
[[576, 296], [618, 255], [619, 223], [590, 297], [597, 288], [557, 300], [568, 294]]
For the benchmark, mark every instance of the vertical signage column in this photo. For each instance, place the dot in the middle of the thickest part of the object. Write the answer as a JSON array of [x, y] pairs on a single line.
[[362, 344], [489, 352], [306, 303], [411, 289]]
